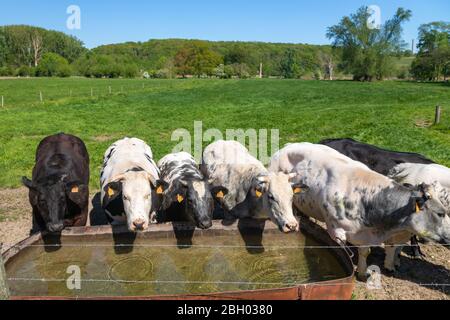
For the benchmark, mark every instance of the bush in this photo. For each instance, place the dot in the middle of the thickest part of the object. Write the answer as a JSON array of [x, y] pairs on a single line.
[[53, 65], [25, 71], [6, 71]]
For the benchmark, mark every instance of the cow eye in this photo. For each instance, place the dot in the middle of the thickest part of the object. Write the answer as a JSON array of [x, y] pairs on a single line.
[[271, 197], [126, 198], [441, 215]]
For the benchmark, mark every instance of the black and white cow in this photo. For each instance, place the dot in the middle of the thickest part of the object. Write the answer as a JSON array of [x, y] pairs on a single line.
[[250, 190], [130, 184], [357, 204], [187, 196]]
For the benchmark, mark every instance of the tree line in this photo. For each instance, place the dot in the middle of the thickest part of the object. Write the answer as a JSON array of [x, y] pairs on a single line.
[[357, 50]]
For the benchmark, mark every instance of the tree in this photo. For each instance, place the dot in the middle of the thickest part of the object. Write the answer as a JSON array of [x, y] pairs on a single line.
[[366, 51], [52, 65], [36, 43], [290, 65], [433, 60], [327, 62], [198, 59]]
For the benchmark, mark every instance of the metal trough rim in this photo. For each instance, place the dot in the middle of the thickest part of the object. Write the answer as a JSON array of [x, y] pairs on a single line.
[[340, 289]]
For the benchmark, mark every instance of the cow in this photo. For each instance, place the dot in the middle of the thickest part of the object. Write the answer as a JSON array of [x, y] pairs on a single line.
[[357, 204], [130, 186], [414, 174], [248, 189], [59, 188], [187, 197], [379, 160]]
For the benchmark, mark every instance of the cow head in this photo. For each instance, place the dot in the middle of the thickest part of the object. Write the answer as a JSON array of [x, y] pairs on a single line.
[[50, 196], [197, 199], [274, 194], [430, 218], [138, 191]]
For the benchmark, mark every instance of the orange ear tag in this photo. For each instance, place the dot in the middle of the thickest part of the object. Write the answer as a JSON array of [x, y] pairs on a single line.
[[417, 208], [110, 192], [297, 190], [180, 198], [159, 190], [220, 195], [258, 194], [74, 189]]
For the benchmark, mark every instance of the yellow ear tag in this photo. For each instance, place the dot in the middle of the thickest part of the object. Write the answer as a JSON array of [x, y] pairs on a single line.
[[180, 198], [220, 195], [258, 194], [417, 208], [110, 192], [159, 190], [297, 190], [74, 189]]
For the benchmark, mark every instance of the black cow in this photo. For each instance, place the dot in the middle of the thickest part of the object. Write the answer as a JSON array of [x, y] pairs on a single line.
[[59, 189], [377, 159]]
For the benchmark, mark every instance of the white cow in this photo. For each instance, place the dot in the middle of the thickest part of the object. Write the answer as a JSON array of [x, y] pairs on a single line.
[[129, 182], [248, 189], [414, 174], [357, 204]]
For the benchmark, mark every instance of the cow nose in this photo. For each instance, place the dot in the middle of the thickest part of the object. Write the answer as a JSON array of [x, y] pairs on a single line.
[[205, 225], [291, 226], [139, 224], [55, 227]]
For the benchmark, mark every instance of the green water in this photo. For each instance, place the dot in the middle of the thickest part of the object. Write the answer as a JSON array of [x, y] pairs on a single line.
[[214, 263]]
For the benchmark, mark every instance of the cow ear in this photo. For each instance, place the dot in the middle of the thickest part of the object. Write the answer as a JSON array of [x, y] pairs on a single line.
[[77, 192], [28, 183], [298, 188], [161, 187], [112, 191], [219, 192]]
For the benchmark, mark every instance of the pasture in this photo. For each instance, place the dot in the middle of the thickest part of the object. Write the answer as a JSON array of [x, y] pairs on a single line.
[[395, 115]]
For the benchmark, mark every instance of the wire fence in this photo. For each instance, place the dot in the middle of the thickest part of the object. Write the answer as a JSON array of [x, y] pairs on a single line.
[[35, 94]]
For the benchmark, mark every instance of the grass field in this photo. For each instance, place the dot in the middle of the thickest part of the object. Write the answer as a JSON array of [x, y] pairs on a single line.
[[394, 115]]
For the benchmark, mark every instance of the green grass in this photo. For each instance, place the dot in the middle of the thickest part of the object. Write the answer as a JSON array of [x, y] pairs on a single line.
[[382, 113]]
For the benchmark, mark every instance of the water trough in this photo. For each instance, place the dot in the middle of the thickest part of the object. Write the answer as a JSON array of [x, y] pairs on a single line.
[[245, 260]]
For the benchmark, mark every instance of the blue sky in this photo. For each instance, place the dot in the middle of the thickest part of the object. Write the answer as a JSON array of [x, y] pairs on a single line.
[[296, 21]]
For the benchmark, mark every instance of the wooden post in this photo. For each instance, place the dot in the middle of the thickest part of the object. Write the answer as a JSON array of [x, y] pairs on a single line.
[[4, 291], [109, 89], [260, 70], [40, 96], [437, 116]]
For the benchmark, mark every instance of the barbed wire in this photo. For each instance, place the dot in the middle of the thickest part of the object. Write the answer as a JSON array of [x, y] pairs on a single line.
[[7, 246], [287, 284]]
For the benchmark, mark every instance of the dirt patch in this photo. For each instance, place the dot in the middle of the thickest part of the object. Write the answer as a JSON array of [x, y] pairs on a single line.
[[415, 279], [102, 138]]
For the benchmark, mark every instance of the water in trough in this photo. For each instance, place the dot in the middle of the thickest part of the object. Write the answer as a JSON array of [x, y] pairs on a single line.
[[164, 264]]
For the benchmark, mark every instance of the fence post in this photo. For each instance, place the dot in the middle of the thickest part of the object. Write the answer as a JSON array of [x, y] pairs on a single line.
[[40, 96], [437, 116], [3, 102], [92, 92], [4, 291], [110, 89]]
